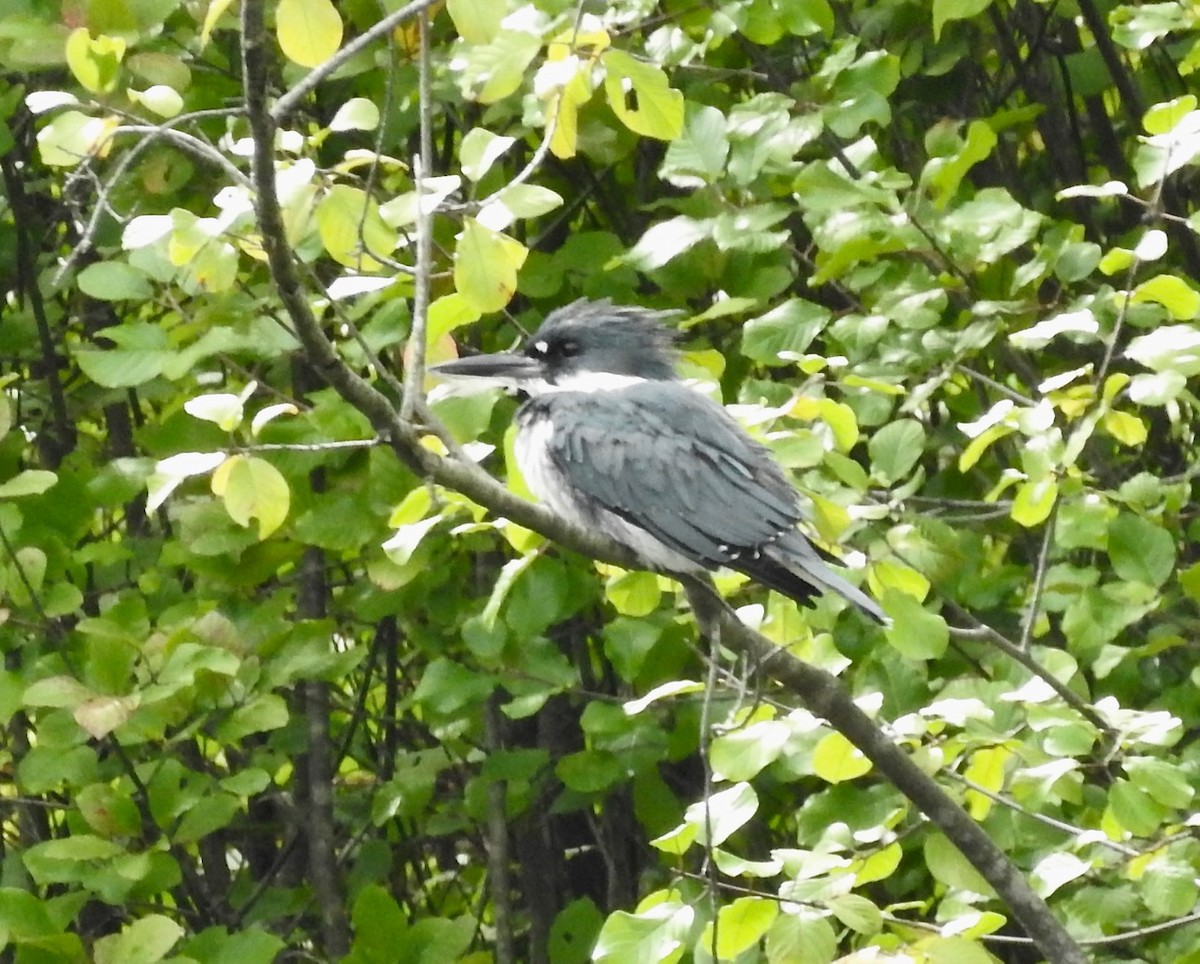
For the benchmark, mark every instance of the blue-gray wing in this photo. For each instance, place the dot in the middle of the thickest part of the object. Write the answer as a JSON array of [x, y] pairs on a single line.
[[673, 463]]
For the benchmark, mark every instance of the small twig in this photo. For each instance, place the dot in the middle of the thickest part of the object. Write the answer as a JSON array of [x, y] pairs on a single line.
[[414, 361], [993, 384], [354, 443], [1039, 581], [710, 864], [980, 630], [165, 129]]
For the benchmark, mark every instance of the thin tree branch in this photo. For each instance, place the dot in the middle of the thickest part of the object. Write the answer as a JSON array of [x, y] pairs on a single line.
[[414, 361], [291, 100], [823, 695]]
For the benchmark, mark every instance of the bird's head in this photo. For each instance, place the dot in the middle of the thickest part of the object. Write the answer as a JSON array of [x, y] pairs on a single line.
[[584, 346]]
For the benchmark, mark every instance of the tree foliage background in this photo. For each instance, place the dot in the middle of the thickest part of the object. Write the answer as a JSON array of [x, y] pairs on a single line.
[[275, 688]]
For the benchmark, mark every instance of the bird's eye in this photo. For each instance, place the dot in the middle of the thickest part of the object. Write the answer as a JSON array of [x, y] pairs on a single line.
[[568, 349]]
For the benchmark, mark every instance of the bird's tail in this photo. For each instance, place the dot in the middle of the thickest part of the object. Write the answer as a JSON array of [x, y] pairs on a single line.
[[795, 568]]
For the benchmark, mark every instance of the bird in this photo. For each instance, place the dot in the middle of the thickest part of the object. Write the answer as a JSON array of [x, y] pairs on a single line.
[[611, 439]]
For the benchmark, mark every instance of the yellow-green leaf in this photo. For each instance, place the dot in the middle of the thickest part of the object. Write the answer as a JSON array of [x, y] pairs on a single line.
[[986, 770], [740, 926], [211, 16], [634, 594], [1033, 502], [351, 228], [980, 444], [1180, 299], [836, 760], [887, 574], [96, 63], [1126, 428], [915, 631], [309, 31], [477, 21], [879, 866], [641, 97], [486, 264], [840, 418], [253, 489]]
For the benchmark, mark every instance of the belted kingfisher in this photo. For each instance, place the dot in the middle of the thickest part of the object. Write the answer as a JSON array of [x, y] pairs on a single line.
[[611, 440]]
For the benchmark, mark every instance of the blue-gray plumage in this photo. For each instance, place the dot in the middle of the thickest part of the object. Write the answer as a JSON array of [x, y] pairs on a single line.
[[610, 439]]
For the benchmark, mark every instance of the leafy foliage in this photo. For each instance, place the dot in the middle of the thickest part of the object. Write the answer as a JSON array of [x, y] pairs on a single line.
[[270, 693]]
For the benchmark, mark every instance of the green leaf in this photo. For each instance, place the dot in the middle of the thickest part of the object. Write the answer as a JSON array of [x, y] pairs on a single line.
[[357, 114], [784, 333], [895, 449], [1134, 809], [793, 938], [56, 691], [956, 950], [740, 926], [351, 228], [666, 240], [1162, 118], [1140, 550], [741, 753], [590, 771], [697, 158], [946, 10], [267, 711], [486, 265], [723, 814], [836, 759], [114, 281], [498, 68], [915, 631], [642, 97], [945, 174], [95, 62], [142, 351], [1033, 501], [28, 482], [633, 593], [948, 865], [574, 931], [253, 489], [1169, 348], [309, 31], [1166, 782], [1125, 427], [477, 21], [73, 137], [145, 941], [655, 934], [857, 912], [1181, 300], [479, 150], [223, 409], [1169, 887], [209, 814], [803, 18], [380, 926]]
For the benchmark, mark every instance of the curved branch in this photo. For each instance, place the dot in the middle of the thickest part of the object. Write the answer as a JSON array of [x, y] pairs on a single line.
[[825, 696]]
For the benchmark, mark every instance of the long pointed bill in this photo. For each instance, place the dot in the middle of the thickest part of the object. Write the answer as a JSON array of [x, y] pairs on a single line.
[[504, 369]]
